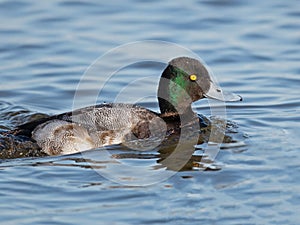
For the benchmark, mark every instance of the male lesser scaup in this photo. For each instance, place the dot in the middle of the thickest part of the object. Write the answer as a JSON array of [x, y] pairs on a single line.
[[184, 80]]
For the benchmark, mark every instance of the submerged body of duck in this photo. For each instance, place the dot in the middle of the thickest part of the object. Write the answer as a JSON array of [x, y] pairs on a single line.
[[185, 80]]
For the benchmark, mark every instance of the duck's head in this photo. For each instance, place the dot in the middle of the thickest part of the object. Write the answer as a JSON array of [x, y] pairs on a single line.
[[186, 80]]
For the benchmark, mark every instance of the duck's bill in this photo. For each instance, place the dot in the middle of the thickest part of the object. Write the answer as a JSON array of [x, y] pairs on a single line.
[[217, 93]]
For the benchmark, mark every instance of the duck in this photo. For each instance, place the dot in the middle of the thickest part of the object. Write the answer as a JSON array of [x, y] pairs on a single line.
[[184, 80]]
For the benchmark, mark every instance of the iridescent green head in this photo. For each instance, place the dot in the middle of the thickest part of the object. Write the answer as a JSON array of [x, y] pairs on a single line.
[[185, 80]]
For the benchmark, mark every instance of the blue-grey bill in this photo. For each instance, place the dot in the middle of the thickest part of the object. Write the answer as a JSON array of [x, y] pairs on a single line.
[[217, 93]]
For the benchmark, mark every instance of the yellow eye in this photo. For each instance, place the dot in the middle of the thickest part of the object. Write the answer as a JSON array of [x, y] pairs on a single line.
[[193, 77]]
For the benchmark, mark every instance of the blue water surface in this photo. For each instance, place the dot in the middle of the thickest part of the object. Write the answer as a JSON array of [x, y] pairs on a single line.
[[253, 48]]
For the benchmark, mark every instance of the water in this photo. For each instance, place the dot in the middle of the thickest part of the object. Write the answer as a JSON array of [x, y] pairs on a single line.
[[253, 48]]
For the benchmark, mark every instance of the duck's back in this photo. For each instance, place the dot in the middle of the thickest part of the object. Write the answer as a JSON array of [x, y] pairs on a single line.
[[112, 116]]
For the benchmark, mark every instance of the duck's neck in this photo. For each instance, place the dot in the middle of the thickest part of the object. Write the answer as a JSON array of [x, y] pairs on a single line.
[[172, 94], [168, 109]]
